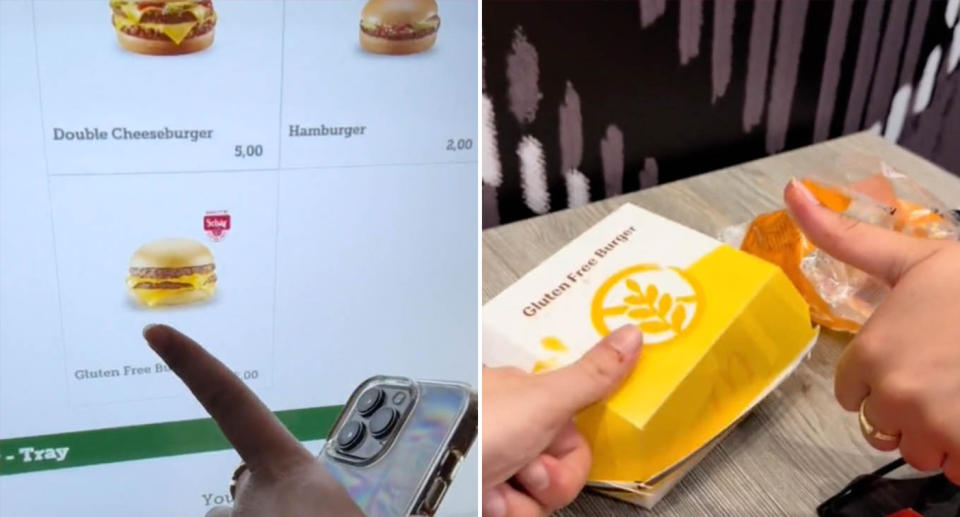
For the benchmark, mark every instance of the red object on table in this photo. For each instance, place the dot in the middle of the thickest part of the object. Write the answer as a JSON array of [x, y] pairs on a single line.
[[909, 512]]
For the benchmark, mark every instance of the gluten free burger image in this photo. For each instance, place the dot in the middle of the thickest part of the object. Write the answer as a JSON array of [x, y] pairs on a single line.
[[399, 26], [172, 272], [165, 27]]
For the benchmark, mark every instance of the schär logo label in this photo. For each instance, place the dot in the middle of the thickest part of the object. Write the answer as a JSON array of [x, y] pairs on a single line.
[[662, 301], [216, 225]]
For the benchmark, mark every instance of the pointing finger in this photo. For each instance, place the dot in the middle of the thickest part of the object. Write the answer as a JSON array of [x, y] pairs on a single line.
[[260, 439], [883, 253]]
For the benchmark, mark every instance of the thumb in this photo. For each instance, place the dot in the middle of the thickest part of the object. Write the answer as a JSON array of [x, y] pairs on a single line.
[[598, 373], [883, 253]]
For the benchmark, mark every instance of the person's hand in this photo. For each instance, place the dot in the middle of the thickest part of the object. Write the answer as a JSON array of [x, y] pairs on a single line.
[[528, 434], [282, 478], [904, 364]]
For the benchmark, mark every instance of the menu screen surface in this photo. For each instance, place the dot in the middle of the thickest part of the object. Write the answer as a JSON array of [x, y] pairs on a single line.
[[285, 181]]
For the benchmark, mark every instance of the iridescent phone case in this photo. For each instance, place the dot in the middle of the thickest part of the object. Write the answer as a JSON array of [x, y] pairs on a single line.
[[410, 470]]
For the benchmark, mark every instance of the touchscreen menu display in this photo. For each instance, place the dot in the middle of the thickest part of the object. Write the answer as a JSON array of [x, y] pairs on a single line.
[[285, 181]]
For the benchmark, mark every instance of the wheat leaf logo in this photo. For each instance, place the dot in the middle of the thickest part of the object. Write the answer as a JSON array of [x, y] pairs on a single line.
[[641, 313], [666, 302], [553, 344], [617, 311], [654, 326], [679, 316], [653, 311], [652, 293], [663, 302]]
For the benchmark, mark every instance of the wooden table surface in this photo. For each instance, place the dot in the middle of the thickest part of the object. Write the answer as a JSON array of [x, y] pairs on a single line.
[[798, 447]]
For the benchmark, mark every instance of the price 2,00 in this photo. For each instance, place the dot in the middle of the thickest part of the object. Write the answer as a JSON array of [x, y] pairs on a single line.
[[244, 151], [460, 144]]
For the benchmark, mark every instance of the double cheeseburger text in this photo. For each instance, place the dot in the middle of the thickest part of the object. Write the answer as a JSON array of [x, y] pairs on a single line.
[[166, 27]]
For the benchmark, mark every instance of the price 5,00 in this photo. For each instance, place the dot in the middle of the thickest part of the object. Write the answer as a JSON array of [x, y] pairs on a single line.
[[243, 151]]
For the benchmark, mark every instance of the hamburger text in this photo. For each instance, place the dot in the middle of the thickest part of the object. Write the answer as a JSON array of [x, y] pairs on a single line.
[[122, 133], [324, 130]]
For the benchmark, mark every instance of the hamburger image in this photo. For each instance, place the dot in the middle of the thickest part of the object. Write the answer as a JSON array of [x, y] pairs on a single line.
[[165, 27], [172, 272], [399, 26]]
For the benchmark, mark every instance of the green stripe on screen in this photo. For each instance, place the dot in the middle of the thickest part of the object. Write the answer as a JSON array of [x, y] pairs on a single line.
[[147, 441]]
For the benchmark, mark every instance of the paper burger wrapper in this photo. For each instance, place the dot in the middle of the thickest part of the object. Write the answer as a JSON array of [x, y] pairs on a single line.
[[721, 329], [649, 493]]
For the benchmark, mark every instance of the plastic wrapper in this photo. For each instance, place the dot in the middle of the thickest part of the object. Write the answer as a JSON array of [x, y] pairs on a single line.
[[842, 297]]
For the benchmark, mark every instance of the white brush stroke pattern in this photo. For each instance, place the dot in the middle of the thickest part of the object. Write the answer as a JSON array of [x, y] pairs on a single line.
[[925, 87], [578, 188], [758, 62], [650, 10], [863, 70], [951, 12], [650, 175], [954, 57], [898, 113], [885, 73], [783, 82], [691, 18], [533, 175], [836, 45], [612, 157], [911, 55], [483, 67], [490, 170], [523, 78], [724, 12], [571, 130], [490, 207]]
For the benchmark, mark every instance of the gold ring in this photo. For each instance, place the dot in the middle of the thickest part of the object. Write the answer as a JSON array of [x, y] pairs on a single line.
[[870, 431], [236, 477]]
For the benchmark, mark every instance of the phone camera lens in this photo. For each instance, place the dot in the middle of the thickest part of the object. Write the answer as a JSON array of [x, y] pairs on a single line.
[[383, 421], [350, 436], [370, 401]]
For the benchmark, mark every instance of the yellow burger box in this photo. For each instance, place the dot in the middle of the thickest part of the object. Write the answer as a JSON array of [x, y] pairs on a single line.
[[722, 329]]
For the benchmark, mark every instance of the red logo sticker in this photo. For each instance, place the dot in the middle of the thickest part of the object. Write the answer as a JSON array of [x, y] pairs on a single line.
[[216, 225]]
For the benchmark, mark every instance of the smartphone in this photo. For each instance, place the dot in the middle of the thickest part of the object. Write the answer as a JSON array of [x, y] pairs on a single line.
[[398, 442]]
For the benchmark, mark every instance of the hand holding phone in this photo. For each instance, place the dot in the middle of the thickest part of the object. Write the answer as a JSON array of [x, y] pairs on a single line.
[[281, 477], [398, 443]]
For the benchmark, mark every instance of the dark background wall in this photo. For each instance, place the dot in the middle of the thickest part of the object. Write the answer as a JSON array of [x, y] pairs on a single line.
[[585, 99]]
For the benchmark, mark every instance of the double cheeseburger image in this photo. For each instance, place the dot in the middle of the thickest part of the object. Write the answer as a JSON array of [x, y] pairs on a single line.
[[172, 272], [166, 27], [399, 26]]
